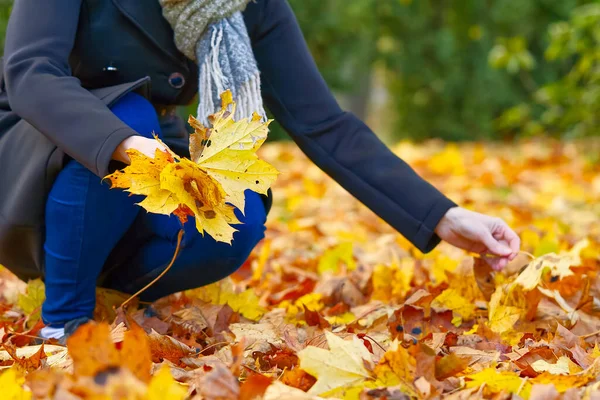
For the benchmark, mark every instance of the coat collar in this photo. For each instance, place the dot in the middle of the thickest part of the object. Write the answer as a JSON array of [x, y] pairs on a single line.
[[147, 16]]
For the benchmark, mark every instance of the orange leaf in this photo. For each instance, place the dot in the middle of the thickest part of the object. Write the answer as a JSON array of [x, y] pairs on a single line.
[[26, 364], [255, 386], [135, 352], [92, 350]]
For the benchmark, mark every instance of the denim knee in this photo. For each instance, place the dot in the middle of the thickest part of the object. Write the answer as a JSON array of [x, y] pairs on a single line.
[[138, 113], [231, 257]]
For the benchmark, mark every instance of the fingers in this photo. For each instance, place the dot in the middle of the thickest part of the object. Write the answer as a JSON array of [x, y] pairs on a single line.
[[494, 246], [497, 263], [508, 237], [514, 242]]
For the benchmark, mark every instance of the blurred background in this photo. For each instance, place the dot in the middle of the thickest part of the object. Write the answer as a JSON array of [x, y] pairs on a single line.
[[457, 70]]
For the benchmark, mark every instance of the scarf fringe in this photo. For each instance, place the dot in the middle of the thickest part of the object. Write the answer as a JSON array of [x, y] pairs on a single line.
[[212, 82]]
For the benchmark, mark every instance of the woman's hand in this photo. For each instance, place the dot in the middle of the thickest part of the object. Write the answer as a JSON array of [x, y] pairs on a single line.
[[142, 144], [481, 234]]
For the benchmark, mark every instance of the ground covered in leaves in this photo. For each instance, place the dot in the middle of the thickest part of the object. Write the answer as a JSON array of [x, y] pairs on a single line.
[[334, 303]]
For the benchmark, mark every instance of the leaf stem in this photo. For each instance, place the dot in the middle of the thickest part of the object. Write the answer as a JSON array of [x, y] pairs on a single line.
[[179, 237], [489, 255], [527, 254]]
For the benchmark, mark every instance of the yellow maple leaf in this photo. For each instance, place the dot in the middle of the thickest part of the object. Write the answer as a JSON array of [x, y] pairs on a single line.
[[202, 196], [164, 387], [343, 364], [451, 299], [501, 317], [227, 152], [312, 301], [224, 165], [331, 258], [393, 281], [222, 292], [558, 266], [142, 177], [11, 383], [441, 265], [396, 368], [596, 351], [562, 383], [495, 381], [342, 319], [31, 301]]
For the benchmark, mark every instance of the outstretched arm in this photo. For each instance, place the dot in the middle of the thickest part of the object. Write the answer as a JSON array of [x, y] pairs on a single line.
[[338, 142]]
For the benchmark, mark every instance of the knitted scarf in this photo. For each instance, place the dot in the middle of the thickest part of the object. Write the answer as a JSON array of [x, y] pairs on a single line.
[[213, 33]]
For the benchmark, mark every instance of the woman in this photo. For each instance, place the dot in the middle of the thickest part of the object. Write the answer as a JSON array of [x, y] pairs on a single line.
[[86, 80]]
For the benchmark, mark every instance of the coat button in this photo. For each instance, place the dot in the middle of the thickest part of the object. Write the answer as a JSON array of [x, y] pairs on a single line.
[[110, 68], [176, 80]]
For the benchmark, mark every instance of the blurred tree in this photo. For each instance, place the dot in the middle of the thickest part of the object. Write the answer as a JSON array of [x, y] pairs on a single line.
[[438, 54], [5, 7], [570, 106]]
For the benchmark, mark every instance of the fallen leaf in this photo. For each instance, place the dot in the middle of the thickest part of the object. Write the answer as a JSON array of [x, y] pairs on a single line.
[[452, 300], [563, 366], [298, 378], [397, 367], [11, 383], [331, 258], [552, 264], [135, 353], [499, 382], [246, 302], [543, 392], [484, 276], [502, 317], [164, 347], [343, 364], [31, 301], [92, 349], [217, 384], [163, 387], [278, 391], [254, 387], [26, 364]]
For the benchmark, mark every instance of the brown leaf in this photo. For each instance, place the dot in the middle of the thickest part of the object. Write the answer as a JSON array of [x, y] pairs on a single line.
[[450, 365], [484, 276], [314, 318], [26, 364], [217, 384], [163, 347], [43, 383], [543, 392]]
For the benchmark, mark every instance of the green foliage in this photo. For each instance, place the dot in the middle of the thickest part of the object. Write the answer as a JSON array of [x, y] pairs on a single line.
[[569, 106], [452, 68], [5, 7], [341, 36]]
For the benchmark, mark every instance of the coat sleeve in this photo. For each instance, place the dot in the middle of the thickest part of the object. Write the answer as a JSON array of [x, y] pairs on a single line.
[[42, 91], [338, 142]]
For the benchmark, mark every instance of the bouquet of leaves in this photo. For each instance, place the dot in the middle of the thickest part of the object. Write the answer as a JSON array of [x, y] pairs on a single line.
[[211, 184]]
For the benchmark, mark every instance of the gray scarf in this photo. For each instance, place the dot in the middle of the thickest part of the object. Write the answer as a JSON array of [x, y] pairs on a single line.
[[213, 33]]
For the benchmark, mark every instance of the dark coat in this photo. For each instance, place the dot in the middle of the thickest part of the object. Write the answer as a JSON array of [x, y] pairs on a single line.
[[66, 60]]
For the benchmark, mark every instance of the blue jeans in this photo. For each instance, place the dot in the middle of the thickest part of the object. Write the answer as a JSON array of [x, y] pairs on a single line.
[[95, 235]]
